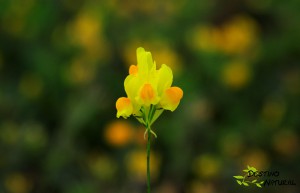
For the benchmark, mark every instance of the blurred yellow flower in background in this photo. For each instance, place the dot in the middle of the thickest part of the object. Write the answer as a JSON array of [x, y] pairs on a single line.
[[86, 31], [273, 112], [10, 133], [34, 136], [257, 158], [128, 49], [286, 142], [118, 133], [31, 86], [207, 166], [236, 74], [15, 16], [200, 109], [166, 55], [18, 183], [136, 166], [238, 35], [232, 144], [101, 166], [200, 187], [80, 71], [206, 38]]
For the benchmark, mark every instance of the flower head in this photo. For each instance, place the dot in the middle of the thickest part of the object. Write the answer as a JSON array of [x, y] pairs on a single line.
[[148, 90], [124, 107]]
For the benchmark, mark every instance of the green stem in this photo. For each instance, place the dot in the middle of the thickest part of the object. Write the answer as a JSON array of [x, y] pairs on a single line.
[[148, 160]]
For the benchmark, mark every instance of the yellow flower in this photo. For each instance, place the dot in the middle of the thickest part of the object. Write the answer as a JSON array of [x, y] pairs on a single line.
[[171, 98], [124, 107], [148, 90]]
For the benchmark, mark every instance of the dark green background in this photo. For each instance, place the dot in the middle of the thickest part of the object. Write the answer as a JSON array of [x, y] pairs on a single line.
[[62, 67]]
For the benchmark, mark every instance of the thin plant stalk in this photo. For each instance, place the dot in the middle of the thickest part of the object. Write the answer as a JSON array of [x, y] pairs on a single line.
[[148, 160]]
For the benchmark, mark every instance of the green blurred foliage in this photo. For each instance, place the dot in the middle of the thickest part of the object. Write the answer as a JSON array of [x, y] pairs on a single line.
[[62, 67]]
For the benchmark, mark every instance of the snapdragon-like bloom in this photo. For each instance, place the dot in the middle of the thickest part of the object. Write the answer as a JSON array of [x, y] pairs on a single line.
[[148, 90]]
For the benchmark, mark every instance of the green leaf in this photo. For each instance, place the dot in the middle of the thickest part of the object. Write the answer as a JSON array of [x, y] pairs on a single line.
[[254, 181], [245, 183], [239, 177], [239, 182], [245, 170], [157, 113], [249, 168], [258, 185], [262, 182]]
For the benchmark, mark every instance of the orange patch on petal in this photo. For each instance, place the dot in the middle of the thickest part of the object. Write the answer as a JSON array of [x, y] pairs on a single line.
[[174, 94], [133, 69], [122, 103], [147, 92]]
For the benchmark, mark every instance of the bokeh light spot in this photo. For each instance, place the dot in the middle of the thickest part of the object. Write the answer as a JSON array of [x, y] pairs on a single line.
[[118, 133]]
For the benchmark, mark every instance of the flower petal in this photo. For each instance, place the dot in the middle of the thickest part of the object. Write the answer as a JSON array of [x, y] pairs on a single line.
[[165, 79], [145, 62], [124, 107], [133, 70], [171, 98], [132, 84], [147, 95]]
